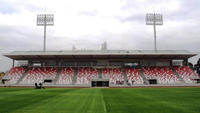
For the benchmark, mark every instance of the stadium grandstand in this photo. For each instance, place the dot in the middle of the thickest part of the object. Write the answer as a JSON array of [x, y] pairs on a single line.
[[101, 68]]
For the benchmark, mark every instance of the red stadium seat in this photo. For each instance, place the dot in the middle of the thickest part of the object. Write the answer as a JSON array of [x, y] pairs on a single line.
[[163, 75], [66, 76], [15, 74], [86, 74], [113, 74], [186, 73], [134, 76], [38, 74]]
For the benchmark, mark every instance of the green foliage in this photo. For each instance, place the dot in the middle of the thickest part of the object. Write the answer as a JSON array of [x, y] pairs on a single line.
[[190, 65], [100, 100], [2, 74], [197, 66]]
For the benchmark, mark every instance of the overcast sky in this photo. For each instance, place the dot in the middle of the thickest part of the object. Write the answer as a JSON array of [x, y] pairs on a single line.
[[88, 23]]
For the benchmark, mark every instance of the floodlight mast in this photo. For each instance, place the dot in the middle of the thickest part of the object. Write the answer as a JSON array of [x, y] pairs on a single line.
[[154, 19], [45, 20]]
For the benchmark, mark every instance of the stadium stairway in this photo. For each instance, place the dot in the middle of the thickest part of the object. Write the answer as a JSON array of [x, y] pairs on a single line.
[[125, 76], [100, 73], [57, 75], [180, 79], [75, 76], [25, 73], [143, 77]]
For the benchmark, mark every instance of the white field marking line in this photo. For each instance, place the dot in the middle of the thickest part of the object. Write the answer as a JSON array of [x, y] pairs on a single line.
[[104, 105]]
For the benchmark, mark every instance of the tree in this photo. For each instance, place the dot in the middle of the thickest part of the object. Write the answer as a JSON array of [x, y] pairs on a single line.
[[197, 66], [190, 65]]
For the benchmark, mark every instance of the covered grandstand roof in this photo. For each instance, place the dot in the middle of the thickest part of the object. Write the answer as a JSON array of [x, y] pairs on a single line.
[[95, 54]]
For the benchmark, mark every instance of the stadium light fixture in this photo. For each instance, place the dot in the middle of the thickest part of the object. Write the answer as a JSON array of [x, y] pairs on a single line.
[[154, 19], [45, 20]]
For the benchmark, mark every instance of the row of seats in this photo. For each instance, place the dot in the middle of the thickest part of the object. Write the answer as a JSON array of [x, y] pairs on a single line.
[[66, 76], [113, 74], [162, 74], [186, 73], [134, 76], [86, 74], [38, 74], [14, 74]]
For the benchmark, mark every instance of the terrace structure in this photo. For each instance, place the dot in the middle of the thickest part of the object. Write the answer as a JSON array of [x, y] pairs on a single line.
[[103, 67]]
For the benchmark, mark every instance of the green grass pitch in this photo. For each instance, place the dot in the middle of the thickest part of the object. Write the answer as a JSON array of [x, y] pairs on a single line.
[[100, 100]]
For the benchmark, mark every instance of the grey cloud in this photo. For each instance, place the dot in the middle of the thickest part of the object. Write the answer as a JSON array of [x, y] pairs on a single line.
[[7, 8], [189, 10], [20, 38], [89, 13], [184, 36], [6, 63], [139, 18]]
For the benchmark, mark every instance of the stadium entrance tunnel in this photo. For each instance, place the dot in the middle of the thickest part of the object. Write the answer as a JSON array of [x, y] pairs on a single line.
[[197, 81], [152, 81], [100, 83], [48, 81]]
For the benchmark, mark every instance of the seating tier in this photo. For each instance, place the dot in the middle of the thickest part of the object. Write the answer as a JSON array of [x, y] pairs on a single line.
[[162, 74], [39, 74]]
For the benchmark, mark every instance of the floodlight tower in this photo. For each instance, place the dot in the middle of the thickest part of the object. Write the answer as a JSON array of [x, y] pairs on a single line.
[[154, 19], [45, 20]]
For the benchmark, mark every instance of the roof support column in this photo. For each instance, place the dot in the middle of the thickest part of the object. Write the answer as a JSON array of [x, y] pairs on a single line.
[[171, 64], [30, 63], [139, 64], [185, 62], [13, 61], [58, 63]]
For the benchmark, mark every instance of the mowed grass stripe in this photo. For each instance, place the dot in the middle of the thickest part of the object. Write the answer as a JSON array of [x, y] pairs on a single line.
[[100, 100], [57, 102], [65, 101], [153, 100], [93, 102], [18, 100]]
